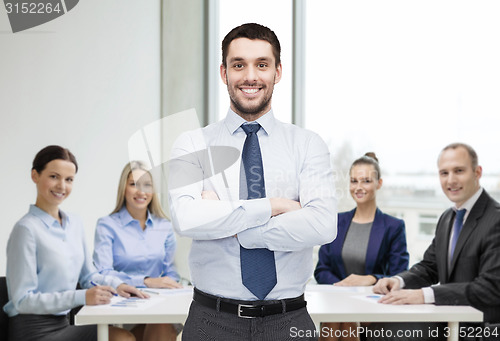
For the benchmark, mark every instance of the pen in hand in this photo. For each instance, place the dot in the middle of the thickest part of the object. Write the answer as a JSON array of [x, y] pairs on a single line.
[[95, 284]]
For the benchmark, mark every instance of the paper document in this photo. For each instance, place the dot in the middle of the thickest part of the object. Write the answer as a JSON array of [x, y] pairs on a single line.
[[374, 298], [131, 302]]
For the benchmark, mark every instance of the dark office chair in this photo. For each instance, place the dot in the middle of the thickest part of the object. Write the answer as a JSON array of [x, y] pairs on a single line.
[[4, 319]]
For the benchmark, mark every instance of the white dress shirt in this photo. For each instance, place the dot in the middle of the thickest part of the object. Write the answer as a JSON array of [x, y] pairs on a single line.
[[296, 166]]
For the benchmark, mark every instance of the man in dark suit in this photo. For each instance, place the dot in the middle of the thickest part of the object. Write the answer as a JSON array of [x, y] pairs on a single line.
[[464, 257]]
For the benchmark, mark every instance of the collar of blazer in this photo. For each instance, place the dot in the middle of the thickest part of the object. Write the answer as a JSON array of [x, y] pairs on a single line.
[[475, 214]]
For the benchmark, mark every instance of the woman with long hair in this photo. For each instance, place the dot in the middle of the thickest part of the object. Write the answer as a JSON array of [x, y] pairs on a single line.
[[136, 243]]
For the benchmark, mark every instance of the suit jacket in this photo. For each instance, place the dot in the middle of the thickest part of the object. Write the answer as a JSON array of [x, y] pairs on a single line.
[[474, 274], [386, 254]]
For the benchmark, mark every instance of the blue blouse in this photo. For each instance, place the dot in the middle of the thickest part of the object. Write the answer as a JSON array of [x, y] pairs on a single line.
[[123, 249], [45, 261]]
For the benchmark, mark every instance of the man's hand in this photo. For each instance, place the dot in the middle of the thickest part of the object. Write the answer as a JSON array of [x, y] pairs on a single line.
[[282, 205], [357, 280], [126, 290], [404, 297], [161, 282], [278, 205], [386, 285]]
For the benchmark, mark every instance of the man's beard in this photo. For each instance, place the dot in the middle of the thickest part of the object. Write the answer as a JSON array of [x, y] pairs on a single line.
[[245, 110], [250, 111]]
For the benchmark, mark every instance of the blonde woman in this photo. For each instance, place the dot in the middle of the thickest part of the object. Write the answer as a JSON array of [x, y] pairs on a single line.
[[137, 244]]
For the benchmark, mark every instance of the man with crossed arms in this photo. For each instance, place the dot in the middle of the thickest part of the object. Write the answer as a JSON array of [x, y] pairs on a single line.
[[254, 224]]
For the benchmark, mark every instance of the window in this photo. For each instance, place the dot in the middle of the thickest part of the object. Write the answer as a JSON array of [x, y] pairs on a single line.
[[404, 79], [427, 225]]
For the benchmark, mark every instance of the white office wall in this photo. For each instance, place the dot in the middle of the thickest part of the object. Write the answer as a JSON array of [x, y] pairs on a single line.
[[87, 81]]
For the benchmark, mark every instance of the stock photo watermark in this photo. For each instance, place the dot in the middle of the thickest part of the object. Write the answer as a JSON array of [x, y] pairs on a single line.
[[24, 14], [430, 332]]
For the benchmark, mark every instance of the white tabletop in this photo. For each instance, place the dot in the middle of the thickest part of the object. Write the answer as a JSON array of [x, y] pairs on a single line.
[[325, 303], [351, 304], [169, 308]]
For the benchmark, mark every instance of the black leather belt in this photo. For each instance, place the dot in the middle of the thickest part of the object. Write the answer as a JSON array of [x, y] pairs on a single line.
[[249, 309]]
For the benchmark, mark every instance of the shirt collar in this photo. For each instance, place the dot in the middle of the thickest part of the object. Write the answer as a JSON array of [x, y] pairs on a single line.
[[47, 219], [233, 121], [126, 218], [469, 203]]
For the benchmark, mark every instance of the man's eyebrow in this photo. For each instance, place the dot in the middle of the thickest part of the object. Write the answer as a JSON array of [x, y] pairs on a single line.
[[236, 59], [239, 59]]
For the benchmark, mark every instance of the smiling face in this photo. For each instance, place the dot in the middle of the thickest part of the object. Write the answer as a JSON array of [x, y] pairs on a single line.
[[54, 184], [138, 191], [364, 183], [250, 76], [459, 180]]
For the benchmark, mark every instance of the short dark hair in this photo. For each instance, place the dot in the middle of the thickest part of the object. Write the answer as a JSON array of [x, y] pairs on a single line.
[[472, 153], [368, 159], [49, 153], [252, 31]]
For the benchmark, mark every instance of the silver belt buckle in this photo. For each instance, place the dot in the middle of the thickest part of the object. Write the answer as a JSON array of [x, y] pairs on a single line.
[[245, 306]]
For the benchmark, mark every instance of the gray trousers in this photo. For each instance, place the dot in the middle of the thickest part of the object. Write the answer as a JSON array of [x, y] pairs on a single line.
[[27, 327], [207, 324]]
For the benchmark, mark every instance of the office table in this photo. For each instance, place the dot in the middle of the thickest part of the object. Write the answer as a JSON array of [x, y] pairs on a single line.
[[325, 303]]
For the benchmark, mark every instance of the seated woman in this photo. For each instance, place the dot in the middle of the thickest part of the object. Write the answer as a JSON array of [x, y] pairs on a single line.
[[47, 257], [137, 244], [369, 244]]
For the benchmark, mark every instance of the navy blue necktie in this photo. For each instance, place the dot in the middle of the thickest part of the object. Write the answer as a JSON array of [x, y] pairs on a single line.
[[258, 268], [457, 227]]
